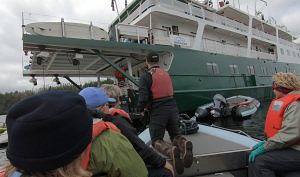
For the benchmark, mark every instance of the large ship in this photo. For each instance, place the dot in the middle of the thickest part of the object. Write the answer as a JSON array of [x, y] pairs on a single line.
[[206, 50]]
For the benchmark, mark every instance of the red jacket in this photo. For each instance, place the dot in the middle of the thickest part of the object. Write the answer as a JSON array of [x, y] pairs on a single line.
[[161, 83], [122, 113]]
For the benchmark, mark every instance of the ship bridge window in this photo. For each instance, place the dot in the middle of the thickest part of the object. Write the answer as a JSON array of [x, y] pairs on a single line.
[[294, 54], [288, 52], [212, 68], [251, 70], [281, 51], [234, 69]]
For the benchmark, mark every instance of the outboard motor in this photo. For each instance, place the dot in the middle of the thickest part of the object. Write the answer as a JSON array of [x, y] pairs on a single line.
[[203, 116], [187, 125], [218, 109]]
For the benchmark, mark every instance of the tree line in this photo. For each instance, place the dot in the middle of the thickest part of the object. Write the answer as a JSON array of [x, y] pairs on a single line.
[[8, 99]]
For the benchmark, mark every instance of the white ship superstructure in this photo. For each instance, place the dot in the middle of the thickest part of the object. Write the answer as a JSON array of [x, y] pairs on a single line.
[[191, 24]]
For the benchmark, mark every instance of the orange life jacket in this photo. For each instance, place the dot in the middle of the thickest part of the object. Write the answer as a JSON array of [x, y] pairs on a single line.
[[275, 113], [98, 128], [2, 174], [161, 84], [121, 112]]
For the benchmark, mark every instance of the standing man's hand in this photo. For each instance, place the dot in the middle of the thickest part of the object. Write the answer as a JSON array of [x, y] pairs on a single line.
[[169, 167], [142, 113]]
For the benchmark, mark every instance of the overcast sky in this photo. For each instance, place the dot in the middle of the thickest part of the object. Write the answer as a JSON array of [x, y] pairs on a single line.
[[286, 12]]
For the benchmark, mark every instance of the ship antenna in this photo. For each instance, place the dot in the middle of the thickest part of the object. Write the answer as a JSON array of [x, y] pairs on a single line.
[[264, 1], [113, 3]]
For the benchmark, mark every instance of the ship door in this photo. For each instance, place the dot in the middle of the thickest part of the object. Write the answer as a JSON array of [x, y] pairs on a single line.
[[175, 30]]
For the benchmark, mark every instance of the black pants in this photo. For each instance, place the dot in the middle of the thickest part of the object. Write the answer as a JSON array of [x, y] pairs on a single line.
[[159, 172], [275, 163], [161, 120]]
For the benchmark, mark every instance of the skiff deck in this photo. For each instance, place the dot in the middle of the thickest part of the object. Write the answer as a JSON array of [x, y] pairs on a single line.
[[216, 151]]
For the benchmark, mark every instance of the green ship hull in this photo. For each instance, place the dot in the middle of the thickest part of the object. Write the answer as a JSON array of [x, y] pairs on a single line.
[[194, 85]]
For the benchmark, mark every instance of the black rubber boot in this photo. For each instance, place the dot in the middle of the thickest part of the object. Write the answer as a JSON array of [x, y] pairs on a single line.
[[186, 149], [171, 151]]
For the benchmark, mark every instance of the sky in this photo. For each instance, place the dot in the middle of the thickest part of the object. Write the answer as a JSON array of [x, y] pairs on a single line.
[[285, 12]]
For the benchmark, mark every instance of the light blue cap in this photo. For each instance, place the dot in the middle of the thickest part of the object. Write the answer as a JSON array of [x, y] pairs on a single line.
[[94, 97]]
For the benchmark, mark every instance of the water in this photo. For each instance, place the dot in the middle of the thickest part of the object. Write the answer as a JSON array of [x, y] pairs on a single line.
[[253, 126]]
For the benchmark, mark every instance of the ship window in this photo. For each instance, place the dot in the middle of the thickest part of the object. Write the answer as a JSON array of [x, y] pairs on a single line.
[[216, 68], [234, 69], [212, 68], [294, 54], [288, 52], [264, 70], [251, 70], [282, 51]]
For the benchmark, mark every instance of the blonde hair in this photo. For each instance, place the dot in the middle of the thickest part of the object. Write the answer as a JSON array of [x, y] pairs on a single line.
[[73, 169], [287, 80], [113, 91]]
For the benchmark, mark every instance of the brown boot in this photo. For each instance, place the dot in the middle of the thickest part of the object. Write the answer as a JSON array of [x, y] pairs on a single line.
[[186, 148], [172, 152]]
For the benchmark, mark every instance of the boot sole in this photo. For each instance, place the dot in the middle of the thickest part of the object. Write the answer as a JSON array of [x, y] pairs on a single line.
[[177, 161], [188, 154]]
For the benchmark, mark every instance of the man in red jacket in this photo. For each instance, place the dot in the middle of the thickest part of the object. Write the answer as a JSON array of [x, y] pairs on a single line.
[[156, 95]]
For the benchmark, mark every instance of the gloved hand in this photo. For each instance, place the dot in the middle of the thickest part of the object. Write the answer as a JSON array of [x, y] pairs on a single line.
[[257, 145], [256, 152]]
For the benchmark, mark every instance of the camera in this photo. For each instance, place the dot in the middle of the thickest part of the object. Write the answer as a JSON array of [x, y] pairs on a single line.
[[42, 56]]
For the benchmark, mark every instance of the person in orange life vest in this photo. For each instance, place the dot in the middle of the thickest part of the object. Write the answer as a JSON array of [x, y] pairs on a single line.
[[119, 75], [157, 165], [281, 151], [51, 134], [156, 94]]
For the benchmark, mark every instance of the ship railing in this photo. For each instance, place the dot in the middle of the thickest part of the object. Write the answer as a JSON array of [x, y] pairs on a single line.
[[165, 37], [130, 33], [225, 21], [190, 9], [285, 42], [213, 46], [28, 18], [263, 35], [262, 55]]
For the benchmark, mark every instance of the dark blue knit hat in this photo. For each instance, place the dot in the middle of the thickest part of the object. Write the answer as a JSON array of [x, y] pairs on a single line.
[[47, 131]]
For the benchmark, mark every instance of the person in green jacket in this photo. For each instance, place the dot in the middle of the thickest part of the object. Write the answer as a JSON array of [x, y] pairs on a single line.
[[52, 135]]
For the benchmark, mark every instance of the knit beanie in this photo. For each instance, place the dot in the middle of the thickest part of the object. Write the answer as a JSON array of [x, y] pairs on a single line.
[[47, 131], [286, 80]]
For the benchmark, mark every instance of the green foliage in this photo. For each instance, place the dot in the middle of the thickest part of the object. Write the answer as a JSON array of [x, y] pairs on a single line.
[[8, 99]]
